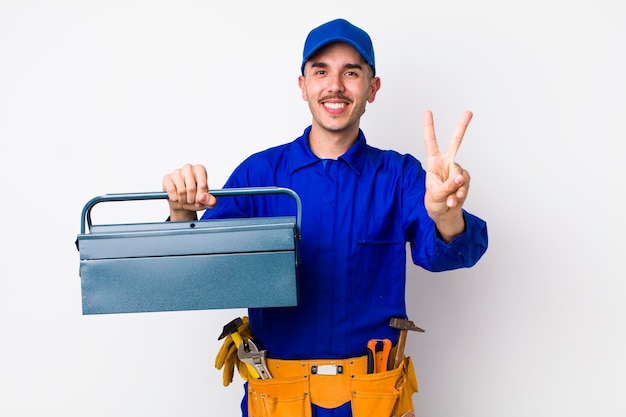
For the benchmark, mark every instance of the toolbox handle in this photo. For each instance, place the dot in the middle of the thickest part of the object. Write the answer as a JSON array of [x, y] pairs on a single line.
[[86, 214]]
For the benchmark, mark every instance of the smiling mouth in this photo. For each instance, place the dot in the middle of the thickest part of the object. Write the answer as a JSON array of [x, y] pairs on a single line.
[[334, 106]]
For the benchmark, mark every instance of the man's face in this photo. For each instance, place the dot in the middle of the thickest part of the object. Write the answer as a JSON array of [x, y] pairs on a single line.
[[337, 83]]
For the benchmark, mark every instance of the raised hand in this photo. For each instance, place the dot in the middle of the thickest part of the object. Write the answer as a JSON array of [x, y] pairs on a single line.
[[447, 183]]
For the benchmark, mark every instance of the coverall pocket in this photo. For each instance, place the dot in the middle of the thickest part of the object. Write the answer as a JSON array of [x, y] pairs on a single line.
[[278, 397], [384, 394]]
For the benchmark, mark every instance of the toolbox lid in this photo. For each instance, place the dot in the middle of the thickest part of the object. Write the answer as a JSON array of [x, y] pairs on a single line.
[[222, 236]]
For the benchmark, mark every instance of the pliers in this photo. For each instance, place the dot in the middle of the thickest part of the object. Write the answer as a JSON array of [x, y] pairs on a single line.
[[374, 365]]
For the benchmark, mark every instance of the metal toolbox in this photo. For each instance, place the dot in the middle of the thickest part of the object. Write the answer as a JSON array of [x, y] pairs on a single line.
[[193, 265]]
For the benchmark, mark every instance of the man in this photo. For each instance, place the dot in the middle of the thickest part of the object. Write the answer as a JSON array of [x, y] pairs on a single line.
[[360, 207]]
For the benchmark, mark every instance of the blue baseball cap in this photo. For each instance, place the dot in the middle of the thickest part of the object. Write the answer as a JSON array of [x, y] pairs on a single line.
[[339, 30]]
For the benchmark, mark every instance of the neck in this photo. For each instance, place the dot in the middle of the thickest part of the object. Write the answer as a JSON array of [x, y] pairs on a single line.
[[331, 145]]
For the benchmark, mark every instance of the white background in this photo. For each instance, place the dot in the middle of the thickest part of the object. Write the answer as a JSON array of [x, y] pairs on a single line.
[[107, 96]]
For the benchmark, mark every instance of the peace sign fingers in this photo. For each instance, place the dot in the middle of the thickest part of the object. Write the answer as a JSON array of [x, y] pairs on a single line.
[[430, 139]]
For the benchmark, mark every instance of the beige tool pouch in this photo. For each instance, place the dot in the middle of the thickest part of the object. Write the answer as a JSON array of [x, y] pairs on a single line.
[[293, 388]]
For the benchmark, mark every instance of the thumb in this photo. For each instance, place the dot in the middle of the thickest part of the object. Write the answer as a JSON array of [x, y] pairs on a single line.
[[207, 200]]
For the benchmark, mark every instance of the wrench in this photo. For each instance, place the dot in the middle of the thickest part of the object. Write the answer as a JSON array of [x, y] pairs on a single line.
[[250, 354]]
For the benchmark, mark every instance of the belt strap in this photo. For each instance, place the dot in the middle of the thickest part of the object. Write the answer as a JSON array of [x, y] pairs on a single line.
[[283, 368], [329, 391]]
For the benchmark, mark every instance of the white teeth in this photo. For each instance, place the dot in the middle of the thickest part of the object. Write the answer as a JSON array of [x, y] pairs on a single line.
[[335, 105]]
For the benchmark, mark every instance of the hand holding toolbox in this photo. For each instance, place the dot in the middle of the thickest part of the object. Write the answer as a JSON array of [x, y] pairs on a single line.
[[192, 265]]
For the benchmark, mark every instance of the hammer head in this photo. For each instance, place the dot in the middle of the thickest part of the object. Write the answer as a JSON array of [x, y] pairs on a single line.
[[404, 324], [231, 328]]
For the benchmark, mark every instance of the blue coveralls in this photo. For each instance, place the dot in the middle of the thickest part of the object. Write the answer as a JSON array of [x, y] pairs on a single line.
[[358, 213]]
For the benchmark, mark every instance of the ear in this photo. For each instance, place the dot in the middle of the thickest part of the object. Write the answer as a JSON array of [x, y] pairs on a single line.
[[374, 87], [302, 85]]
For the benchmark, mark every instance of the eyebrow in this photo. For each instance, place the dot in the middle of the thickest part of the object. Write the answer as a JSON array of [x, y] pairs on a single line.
[[347, 66]]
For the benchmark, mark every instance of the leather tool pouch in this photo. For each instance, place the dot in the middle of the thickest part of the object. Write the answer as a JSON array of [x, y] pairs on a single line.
[[385, 393], [294, 388], [278, 397]]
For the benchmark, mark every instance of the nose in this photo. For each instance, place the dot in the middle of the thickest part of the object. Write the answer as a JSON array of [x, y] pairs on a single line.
[[335, 83]]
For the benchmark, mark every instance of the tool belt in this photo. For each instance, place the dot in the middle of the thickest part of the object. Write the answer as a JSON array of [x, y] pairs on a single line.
[[296, 384]]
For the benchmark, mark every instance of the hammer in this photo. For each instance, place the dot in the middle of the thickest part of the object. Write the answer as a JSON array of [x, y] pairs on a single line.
[[232, 329], [404, 326]]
